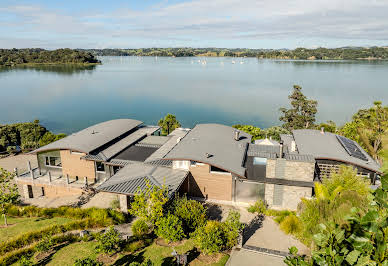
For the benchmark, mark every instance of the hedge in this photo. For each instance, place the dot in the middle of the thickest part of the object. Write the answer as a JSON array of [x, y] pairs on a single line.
[[107, 215]]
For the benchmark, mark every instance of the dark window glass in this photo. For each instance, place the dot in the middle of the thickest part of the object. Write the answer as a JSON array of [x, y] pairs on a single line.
[[216, 169], [47, 161], [100, 167], [53, 161], [260, 167]]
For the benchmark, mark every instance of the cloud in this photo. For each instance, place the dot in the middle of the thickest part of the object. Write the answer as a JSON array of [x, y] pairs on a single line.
[[216, 21]]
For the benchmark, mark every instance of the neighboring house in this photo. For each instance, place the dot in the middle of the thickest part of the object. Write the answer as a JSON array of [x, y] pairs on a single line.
[[210, 161]]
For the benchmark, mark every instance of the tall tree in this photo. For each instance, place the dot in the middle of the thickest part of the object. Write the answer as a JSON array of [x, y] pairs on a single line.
[[372, 126], [168, 124], [8, 192], [302, 113]]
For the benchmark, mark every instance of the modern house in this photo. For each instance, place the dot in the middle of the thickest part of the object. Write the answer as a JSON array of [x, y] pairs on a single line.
[[211, 162]]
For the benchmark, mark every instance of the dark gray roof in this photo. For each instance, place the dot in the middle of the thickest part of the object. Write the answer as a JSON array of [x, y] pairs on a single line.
[[326, 146], [135, 176], [156, 141], [173, 139], [218, 142], [299, 157], [92, 137], [258, 149]]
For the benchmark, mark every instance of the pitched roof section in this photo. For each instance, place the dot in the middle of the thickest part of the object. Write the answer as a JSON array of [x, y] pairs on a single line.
[[135, 176], [93, 137], [213, 144], [173, 138], [326, 146]]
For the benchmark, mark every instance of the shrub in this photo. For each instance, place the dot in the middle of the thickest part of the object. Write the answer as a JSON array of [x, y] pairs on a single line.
[[170, 228], [279, 215], [291, 225], [87, 262], [259, 207], [210, 238], [191, 212], [115, 204], [232, 228], [140, 228], [108, 242], [46, 244], [25, 261]]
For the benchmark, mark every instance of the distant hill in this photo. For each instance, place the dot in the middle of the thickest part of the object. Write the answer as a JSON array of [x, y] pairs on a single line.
[[344, 53], [32, 56]]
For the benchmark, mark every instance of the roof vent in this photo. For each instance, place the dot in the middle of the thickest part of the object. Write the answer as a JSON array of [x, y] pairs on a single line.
[[94, 132], [208, 155], [178, 139], [236, 135], [293, 146], [322, 130]]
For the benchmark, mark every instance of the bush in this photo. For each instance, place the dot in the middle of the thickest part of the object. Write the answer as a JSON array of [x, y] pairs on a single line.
[[87, 262], [46, 244], [25, 261], [210, 238], [232, 228], [108, 242], [140, 228], [279, 216], [170, 228], [259, 207], [191, 212], [291, 225]]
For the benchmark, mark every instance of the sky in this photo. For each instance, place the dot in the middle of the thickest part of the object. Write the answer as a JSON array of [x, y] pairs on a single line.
[[276, 24]]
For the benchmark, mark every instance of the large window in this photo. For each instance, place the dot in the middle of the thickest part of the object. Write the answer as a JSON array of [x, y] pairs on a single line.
[[100, 167], [53, 161], [260, 167]]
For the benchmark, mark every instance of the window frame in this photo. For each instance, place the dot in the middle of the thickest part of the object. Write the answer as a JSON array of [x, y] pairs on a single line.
[[49, 160], [97, 171]]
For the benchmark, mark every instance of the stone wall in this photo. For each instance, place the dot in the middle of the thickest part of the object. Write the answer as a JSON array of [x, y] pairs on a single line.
[[291, 196]]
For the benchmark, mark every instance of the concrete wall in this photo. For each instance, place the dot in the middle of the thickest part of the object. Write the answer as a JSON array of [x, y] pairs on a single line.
[[203, 183], [294, 170], [56, 171], [73, 165], [50, 191]]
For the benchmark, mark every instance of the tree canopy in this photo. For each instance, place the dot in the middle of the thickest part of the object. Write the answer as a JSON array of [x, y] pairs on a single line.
[[168, 124], [302, 113], [28, 135], [12, 57], [346, 53]]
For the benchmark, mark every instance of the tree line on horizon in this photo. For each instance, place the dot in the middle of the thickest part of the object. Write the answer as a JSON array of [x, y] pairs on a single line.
[[345, 53], [12, 57]]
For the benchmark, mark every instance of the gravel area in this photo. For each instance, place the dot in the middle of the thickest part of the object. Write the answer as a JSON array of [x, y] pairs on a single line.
[[220, 212]]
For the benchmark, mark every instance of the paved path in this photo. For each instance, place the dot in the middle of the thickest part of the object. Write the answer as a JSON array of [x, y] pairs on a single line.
[[249, 258], [269, 236]]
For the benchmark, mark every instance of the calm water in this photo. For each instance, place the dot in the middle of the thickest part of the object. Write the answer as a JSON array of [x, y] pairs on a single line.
[[66, 99]]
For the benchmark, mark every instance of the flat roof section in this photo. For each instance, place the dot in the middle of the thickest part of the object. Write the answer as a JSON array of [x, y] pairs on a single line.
[[136, 153]]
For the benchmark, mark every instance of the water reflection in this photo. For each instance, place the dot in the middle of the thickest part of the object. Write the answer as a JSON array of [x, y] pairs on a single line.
[[66, 70]]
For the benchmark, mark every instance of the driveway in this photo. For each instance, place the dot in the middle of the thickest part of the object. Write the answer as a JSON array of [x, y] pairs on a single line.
[[248, 258]]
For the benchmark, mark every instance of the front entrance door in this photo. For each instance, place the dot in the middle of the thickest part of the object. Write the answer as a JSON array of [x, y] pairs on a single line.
[[30, 194]]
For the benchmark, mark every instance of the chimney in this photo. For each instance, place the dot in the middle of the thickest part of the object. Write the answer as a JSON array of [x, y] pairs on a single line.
[[293, 146], [281, 149], [322, 130], [178, 139], [236, 135]]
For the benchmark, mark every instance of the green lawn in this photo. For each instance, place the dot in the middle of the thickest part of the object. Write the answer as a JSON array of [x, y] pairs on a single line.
[[21, 225], [158, 254], [69, 254]]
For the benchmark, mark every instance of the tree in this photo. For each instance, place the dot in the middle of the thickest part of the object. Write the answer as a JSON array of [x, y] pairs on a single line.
[[8, 192], [302, 113], [108, 242], [148, 203], [372, 126], [168, 124]]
